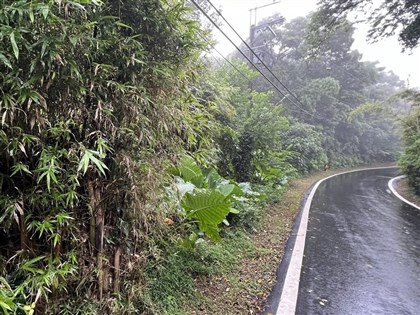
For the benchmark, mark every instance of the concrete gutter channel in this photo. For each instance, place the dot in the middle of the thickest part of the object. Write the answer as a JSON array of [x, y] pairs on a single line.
[[283, 297]]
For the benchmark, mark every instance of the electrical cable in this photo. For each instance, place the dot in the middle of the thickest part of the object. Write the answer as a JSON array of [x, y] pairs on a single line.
[[259, 59], [227, 60], [246, 57], [230, 63]]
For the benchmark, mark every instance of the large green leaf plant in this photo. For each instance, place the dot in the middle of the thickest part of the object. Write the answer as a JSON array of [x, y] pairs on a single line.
[[206, 197]]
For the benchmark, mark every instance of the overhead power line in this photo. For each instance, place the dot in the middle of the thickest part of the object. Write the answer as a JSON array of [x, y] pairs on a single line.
[[259, 59], [231, 64], [227, 60], [246, 57]]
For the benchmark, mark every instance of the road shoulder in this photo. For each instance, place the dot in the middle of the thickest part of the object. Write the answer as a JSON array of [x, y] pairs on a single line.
[[399, 187]]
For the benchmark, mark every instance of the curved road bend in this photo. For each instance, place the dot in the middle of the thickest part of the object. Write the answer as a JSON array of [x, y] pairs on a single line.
[[362, 253]]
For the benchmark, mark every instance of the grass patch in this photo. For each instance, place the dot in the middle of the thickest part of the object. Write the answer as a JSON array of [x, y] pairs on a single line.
[[172, 284]]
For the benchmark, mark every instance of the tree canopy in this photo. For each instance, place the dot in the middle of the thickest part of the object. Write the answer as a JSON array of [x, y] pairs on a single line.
[[386, 18], [334, 89]]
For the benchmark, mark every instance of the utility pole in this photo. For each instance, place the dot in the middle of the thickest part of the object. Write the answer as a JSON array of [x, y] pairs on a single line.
[[253, 29]]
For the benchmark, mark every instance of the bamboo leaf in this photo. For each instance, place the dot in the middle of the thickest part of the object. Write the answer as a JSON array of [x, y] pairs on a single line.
[[49, 180], [43, 48], [5, 283], [5, 307], [22, 148], [56, 239], [44, 11], [32, 261], [84, 162], [20, 167], [31, 15], [99, 164], [14, 45], [5, 61], [118, 23], [89, 157]]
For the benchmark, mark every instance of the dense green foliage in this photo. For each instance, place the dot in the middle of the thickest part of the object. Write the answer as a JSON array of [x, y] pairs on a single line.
[[95, 104], [344, 116], [306, 142], [99, 101], [208, 198], [250, 144], [410, 160]]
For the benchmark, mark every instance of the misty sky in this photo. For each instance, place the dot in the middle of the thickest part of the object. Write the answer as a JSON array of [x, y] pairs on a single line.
[[387, 51]]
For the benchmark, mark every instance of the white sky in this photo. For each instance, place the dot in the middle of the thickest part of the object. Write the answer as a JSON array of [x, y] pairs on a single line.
[[387, 51]]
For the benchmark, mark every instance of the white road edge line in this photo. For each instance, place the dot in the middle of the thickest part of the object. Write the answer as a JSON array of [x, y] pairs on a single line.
[[391, 187], [289, 295]]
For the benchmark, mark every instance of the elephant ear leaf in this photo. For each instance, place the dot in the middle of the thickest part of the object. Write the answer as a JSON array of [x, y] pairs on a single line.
[[226, 190], [212, 178], [211, 230], [183, 187], [209, 208], [190, 171]]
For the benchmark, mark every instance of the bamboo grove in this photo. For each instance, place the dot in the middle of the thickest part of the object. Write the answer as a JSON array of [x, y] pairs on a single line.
[[95, 105]]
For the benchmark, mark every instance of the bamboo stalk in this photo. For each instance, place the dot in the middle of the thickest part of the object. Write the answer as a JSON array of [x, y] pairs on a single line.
[[98, 215], [116, 284], [100, 222], [24, 239], [92, 214]]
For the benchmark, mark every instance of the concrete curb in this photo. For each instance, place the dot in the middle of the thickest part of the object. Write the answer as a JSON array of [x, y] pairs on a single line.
[[391, 188], [289, 295]]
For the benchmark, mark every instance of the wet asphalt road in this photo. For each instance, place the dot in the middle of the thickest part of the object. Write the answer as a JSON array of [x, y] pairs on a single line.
[[362, 253]]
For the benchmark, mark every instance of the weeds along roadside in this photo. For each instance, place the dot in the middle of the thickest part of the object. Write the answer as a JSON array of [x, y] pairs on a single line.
[[175, 281], [187, 252], [181, 282], [231, 276]]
